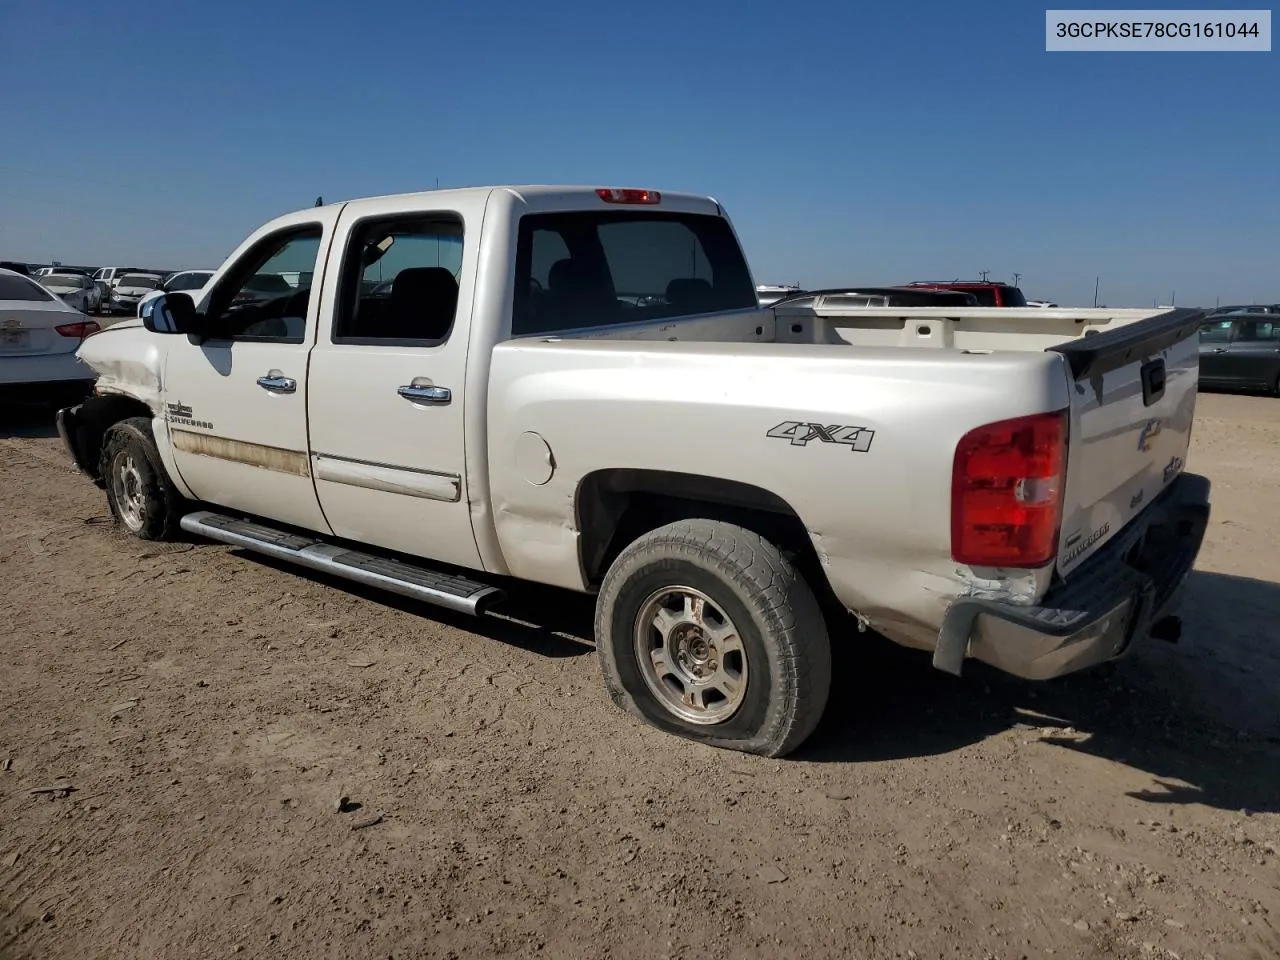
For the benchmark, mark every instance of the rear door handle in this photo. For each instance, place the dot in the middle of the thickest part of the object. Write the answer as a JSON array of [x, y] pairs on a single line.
[[278, 384], [420, 394]]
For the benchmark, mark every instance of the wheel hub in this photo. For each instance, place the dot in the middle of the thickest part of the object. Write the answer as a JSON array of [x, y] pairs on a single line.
[[130, 497], [691, 656], [695, 651]]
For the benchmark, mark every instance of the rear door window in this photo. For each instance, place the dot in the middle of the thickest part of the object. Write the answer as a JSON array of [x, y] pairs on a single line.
[[1219, 332]]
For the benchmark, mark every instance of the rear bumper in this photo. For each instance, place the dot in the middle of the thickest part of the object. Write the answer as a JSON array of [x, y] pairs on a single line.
[[1116, 598], [43, 368]]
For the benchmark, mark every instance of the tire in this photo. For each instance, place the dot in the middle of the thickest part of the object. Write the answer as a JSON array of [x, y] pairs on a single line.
[[765, 697], [142, 499]]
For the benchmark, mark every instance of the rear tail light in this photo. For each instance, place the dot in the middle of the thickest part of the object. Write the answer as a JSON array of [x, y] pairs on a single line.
[[629, 196], [1006, 492], [79, 330]]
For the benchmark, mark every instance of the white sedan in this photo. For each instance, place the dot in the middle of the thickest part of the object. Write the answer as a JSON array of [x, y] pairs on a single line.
[[39, 336], [76, 289], [189, 281]]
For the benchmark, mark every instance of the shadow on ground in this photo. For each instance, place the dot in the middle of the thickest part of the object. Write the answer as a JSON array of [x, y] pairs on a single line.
[[1200, 716], [544, 620], [19, 418]]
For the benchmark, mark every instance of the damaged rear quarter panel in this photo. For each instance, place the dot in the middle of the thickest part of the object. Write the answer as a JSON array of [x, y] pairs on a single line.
[[878, 514]]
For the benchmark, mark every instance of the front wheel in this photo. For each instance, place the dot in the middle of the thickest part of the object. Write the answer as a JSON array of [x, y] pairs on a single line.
[[141, 497], [707, 631]]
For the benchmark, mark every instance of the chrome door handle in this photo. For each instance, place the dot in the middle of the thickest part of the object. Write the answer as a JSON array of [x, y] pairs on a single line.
[[425, 394], [1219, 349], [278, 384]]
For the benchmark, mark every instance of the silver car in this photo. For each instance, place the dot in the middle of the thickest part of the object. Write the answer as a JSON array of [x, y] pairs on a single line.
[[131, 288]]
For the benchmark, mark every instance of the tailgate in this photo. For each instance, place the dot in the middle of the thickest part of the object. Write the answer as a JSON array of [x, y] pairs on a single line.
[[1132, 403]]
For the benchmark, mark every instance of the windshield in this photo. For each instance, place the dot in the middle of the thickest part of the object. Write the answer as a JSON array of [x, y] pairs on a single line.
[[20, 288], [188, 281], [137, 280]]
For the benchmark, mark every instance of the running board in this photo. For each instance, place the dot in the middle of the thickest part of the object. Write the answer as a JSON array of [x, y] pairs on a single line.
[[442, 589]]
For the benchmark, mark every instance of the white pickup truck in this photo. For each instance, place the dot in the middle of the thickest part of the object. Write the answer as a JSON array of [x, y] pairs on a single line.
[[578, 387]]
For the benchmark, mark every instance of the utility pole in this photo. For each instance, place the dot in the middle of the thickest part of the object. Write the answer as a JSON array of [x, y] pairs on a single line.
[[1016, 278], [1096, 281], [984, 275]]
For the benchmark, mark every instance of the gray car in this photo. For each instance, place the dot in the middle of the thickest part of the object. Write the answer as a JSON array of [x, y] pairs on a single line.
[[131, 288], [1241, 351]]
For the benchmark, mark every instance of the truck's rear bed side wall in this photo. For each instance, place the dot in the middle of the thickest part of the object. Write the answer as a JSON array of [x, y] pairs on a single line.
[[878, 518]]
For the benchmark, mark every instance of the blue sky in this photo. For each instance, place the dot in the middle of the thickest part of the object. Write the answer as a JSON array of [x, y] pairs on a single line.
[[851, 143]]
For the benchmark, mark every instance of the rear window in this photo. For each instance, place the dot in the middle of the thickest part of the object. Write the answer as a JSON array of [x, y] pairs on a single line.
[[67, 279], [20, 288], [598, 269], [1012, 297]]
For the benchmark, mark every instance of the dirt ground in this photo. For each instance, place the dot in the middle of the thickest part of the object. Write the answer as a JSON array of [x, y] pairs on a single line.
[[211, 709]]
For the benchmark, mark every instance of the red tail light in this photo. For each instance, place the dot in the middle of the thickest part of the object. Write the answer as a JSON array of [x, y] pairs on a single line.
[[629, 196], [79, 330], [1006, 492]]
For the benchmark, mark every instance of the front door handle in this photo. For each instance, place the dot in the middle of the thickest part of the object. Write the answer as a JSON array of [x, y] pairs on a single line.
[[420, 394], [1219, 349], [278, 384]]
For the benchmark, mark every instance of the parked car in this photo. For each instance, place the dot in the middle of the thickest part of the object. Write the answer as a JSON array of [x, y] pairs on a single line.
[[883, 297], [1263, 308], [77, 289], [988, 294], [16, 267], [39, 334], [1241, 351], [770, 293], [183, 280], [1043, 304], [131, 288], [587, 394], [107, 278]]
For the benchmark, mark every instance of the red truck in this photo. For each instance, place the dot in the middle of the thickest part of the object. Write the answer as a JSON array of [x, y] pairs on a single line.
[[988, 294]]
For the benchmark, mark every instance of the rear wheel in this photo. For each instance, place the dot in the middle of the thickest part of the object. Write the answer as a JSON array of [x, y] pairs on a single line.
[[141, 497], [706, 631]]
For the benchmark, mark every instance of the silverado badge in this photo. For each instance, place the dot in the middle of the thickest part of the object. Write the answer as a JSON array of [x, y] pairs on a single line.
[[1148, 435]]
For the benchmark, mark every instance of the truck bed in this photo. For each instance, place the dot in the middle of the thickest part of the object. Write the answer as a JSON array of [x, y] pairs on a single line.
[[716, 391], [825, 320]]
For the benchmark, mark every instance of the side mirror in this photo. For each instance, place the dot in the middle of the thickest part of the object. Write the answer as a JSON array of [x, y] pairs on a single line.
[[171, 313]]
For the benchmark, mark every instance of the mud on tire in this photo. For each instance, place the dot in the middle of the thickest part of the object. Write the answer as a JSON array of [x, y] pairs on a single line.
[[142, 499], [705, 630]]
